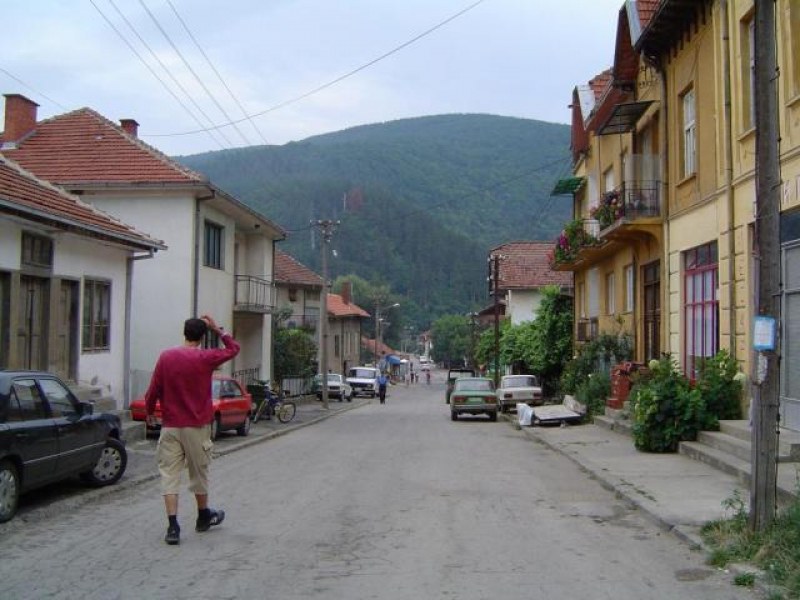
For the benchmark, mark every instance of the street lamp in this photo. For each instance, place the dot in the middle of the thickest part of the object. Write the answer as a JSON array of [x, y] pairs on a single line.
[[378, 320]]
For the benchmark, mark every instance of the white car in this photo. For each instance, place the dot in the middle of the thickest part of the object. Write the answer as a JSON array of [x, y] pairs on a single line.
[[337, 387], [363, 380], [522, 389]]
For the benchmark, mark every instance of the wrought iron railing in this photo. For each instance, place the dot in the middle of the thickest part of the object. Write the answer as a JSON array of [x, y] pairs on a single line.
[[254, 294]]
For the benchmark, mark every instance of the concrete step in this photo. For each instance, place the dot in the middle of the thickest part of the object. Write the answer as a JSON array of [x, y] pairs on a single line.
[[788, 440], [726, 443]]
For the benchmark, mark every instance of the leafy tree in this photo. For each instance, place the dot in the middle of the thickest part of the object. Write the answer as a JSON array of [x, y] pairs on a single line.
[[451, 339], [294, 350], [549, 345]]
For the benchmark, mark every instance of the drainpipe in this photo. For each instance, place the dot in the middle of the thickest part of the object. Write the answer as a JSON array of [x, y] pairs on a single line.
[[728, 135], [126, 352]]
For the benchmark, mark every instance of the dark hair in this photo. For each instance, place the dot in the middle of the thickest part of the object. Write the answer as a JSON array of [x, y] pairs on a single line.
[[194, 329]]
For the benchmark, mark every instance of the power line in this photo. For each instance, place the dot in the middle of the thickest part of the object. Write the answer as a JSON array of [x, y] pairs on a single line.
[[338, 79], [192, 71], [152, 72], [216, 72], [35, 91]]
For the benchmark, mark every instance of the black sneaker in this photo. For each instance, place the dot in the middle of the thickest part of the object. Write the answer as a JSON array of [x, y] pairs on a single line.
[[215, 518], [173, 537]]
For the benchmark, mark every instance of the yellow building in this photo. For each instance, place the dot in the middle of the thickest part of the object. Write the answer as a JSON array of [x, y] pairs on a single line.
[[690, 109]]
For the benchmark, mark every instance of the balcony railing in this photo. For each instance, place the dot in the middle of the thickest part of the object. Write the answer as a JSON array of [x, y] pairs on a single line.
[[631, 201], [254, 294]]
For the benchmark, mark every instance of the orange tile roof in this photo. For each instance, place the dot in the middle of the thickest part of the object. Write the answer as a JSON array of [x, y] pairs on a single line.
[[338, 308], [289, 270], [84, 147], [646, 10], [525, 265], [23, 194]]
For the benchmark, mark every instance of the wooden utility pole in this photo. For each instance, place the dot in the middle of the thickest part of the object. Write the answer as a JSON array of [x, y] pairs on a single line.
[[764, 464], [496, 280], [326, 228]]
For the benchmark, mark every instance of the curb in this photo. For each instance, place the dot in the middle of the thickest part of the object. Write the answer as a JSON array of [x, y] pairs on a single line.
[[620, 488]]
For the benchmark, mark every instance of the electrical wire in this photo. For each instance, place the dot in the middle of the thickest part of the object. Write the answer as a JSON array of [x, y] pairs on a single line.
[[152, 72], [216, 72], [35, 91], [191, 70], [333, 82]]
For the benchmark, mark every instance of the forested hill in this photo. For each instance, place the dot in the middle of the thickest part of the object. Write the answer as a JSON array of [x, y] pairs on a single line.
[[420, 200]]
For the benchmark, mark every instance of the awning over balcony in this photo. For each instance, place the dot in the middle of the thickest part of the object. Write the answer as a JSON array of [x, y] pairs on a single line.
[[623, 117], [570, 185]]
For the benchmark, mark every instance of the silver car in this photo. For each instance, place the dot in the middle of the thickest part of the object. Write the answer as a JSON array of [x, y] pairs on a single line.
[[519, 389], [337, 387]]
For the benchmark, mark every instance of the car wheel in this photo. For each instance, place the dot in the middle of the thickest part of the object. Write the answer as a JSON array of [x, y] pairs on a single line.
[[110, 466], [215, 428], [493, 416], [453, 415], [9, 490], [244, 429]]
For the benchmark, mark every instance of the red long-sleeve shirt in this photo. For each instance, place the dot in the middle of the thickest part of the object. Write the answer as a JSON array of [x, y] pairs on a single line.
[[182, 383]]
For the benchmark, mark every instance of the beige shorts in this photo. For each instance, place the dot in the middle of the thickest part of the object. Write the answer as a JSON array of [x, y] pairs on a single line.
[[188, 447]]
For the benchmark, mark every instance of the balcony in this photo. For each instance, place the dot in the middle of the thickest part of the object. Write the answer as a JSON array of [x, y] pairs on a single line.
[[630, 211], [577, 242], [253, 295]]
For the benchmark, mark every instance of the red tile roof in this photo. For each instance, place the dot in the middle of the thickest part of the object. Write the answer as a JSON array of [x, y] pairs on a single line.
[[646, 10], [84, 147], [338, 308], [525, 265], [289, 270], [23, 194]]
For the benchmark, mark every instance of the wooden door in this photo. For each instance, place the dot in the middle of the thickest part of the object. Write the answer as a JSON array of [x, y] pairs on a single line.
[[32, 319], [67, 330]]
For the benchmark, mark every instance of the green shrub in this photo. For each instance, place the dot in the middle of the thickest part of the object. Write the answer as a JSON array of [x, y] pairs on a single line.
[[719, 382], [593, 393], [595, 357], [666, 409]]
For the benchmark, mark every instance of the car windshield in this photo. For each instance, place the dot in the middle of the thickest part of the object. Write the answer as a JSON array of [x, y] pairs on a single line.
[[334, 378], [363, 373], [519, 381], [474, 385]]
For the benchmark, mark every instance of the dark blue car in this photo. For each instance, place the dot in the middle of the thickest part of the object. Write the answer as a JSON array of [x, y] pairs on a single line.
[[47, 434]]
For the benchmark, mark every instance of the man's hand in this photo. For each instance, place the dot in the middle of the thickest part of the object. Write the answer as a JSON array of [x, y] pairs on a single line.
[[212, 324]]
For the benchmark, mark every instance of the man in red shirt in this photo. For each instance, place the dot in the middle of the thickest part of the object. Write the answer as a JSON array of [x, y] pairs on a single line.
[[181, 382]]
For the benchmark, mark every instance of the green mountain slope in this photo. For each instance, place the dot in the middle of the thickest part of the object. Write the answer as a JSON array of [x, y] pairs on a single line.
[[420, 201]]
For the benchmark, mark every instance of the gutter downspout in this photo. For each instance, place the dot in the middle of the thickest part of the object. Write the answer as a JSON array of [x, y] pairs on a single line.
[[126, 351], [728, 136]]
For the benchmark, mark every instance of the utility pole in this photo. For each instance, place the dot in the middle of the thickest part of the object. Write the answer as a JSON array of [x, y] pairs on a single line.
[[764, 464], [494, 279], [326, 228]]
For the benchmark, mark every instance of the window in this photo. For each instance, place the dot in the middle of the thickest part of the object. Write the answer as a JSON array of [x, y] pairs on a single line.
[[689, 134], [748, 73], [593, 299], [611, 307], [96, 315], [701, 306], [651, 297], [213, 246], [629, 288], [57, 397], [28, 400], [608, 180], [292, 294], [793, 40], [37, 251], [336, 346]]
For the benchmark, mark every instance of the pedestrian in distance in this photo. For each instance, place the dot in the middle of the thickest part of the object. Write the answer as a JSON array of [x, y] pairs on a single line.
[[383, 381], [181, 383]]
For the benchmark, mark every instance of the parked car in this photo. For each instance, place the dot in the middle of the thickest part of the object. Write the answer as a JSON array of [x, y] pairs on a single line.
[[337, 387], [452, 375], [473, 396], [518, 389], [363, 380], [233, 406], [47, 435]]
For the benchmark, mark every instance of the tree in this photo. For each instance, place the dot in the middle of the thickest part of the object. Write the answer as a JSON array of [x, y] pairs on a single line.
[[295, 352], [450, 336]]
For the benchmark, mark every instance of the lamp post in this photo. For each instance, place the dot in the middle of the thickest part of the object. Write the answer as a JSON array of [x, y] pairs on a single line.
[[378, 320], [326, 228]]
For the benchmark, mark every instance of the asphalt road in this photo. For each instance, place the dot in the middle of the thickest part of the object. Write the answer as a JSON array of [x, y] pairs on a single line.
[[389, 501]]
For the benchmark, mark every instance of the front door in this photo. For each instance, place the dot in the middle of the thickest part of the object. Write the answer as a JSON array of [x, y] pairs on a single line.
[[32, 319], [651, 282], [66, 330]]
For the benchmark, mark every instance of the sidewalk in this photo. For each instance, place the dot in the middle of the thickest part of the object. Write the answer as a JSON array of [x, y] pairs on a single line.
[[677, 492]]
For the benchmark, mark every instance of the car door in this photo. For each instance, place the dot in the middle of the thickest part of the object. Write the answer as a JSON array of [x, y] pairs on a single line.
[[31, 433], [236, 405], [79, 439]]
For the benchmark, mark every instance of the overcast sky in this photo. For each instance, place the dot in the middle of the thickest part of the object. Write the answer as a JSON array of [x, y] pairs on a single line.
[[518, 58]]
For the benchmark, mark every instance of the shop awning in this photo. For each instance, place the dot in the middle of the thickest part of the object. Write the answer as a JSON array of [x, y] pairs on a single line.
[[570, 185], [623, 117], [393, 360]]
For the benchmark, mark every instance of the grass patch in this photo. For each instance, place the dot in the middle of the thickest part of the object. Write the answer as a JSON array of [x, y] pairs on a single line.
[[776, 550]]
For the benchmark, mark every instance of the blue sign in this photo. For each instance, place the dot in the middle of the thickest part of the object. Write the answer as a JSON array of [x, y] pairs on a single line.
[[764, 334]]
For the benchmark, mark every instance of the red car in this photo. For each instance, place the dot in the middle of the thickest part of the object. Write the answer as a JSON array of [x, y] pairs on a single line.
[[232, 407]]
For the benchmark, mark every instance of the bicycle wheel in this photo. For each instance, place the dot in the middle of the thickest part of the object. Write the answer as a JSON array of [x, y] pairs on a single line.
[[286, 412]]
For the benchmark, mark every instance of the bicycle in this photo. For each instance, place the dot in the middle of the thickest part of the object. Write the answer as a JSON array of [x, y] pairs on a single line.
[[275, 404]]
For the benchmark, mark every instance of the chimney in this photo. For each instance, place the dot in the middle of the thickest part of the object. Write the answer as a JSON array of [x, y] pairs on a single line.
[[347, 291], [130, 126], [20, 118]]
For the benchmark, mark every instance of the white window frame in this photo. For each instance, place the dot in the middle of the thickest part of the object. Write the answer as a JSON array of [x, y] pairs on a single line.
[[688, 104], [629, 289], [611, 294]]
